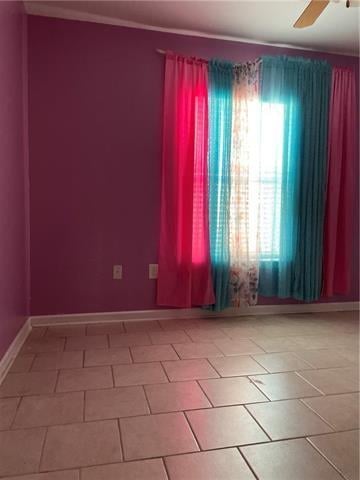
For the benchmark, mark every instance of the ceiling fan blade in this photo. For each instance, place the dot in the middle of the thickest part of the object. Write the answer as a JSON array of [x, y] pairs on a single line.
[[311, 13]]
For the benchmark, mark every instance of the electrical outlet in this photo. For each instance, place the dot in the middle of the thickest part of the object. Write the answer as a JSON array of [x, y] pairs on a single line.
[[117, 272], [153, 271]]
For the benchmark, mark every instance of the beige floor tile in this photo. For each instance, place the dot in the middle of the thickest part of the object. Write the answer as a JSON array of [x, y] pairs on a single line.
[[340, 411], [107, 356], [60, 475], [31, 383], [22, 363], [231, 391], [205, 334], [333, 380], [81, 445], [153, 353], [342, 450], [236, 366], [142, 326], [197, 350], [56, 409], [156, 436], [281, 362], [323, 358], [43, 345], [129, 340], [181, 370], [284, 386], [86, 342], [351, 354], [20, 451], [238, 333], [277, 344], [105, 328], [139, 374], [226, 464], [238, 347], [37, 332], [291, 459], [288, 419], [89, 378], [140, 470], [171, 397], [66, 331], [179, 324], [224, 427], [57, 361], [174, 336], [8, 408], [115, 403]]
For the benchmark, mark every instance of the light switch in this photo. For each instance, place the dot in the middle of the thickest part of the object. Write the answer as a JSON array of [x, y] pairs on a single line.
[[153, 271], [117, 272]]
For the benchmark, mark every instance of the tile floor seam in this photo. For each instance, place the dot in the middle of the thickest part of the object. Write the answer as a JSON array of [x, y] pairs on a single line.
[[11, 426], [165, 372], [258, 422], [147, 398], [166, 468], [257, 388], [192, 430], [316, 413], [325, 458], [208, 398], [121, 442], [307, 381], [248, 463], [42, 449]]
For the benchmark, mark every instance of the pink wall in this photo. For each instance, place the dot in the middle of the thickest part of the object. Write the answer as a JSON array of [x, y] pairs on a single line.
[[14, 242], [95, 148]]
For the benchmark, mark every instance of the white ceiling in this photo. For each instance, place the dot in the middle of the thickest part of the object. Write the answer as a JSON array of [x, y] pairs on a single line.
[[266, 21]]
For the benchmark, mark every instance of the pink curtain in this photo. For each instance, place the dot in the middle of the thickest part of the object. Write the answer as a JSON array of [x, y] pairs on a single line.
[[338, 234], [184, 276]]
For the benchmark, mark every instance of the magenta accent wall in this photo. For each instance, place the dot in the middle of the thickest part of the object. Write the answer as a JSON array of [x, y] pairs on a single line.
[[14, 182], [95, 150]]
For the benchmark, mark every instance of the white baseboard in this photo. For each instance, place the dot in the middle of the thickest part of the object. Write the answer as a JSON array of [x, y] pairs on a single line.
[[135, 315], [11, 353]]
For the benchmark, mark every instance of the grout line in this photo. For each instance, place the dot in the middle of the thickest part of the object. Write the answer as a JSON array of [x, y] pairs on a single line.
[[42, 449], [247, 463], [258, 423], [165, 468], [11, 426], [147, 398], [201, 388], [307, 381], [308, 439], [121, 442], [192, 430]]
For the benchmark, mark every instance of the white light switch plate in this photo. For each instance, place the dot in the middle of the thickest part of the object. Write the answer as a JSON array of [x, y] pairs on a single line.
[[153, 271], [117, 272]]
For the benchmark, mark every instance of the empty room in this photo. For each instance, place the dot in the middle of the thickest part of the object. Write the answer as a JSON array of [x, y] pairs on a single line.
[[179, 240]]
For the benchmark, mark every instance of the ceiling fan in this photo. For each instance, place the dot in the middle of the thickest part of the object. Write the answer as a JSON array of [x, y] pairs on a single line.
[[313, 11]]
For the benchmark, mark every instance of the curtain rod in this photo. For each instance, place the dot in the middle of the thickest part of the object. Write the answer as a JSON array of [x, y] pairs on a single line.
[[163, 52]]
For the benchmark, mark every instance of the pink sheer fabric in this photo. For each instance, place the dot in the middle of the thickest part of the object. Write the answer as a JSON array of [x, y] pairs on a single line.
[[184, 276], [338, 232]]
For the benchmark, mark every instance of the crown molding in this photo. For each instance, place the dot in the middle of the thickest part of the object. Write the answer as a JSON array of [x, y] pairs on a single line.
[[45, 10]]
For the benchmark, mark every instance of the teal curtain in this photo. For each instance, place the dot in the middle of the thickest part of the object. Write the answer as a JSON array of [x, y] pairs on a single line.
[[302, 88], [220, 126]]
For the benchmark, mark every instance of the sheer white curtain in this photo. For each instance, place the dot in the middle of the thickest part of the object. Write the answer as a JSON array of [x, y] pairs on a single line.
[[245, 186]]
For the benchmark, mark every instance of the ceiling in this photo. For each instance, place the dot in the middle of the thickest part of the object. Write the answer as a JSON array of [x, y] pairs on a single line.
[[266, 21]]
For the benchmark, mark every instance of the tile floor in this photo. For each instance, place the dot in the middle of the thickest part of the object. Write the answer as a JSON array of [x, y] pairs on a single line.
[[267, 398]]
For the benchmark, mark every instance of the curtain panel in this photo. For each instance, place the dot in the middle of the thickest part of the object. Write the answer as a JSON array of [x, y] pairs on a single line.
[[220, 128], [338, 241], [184, 253], [302, 88]]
